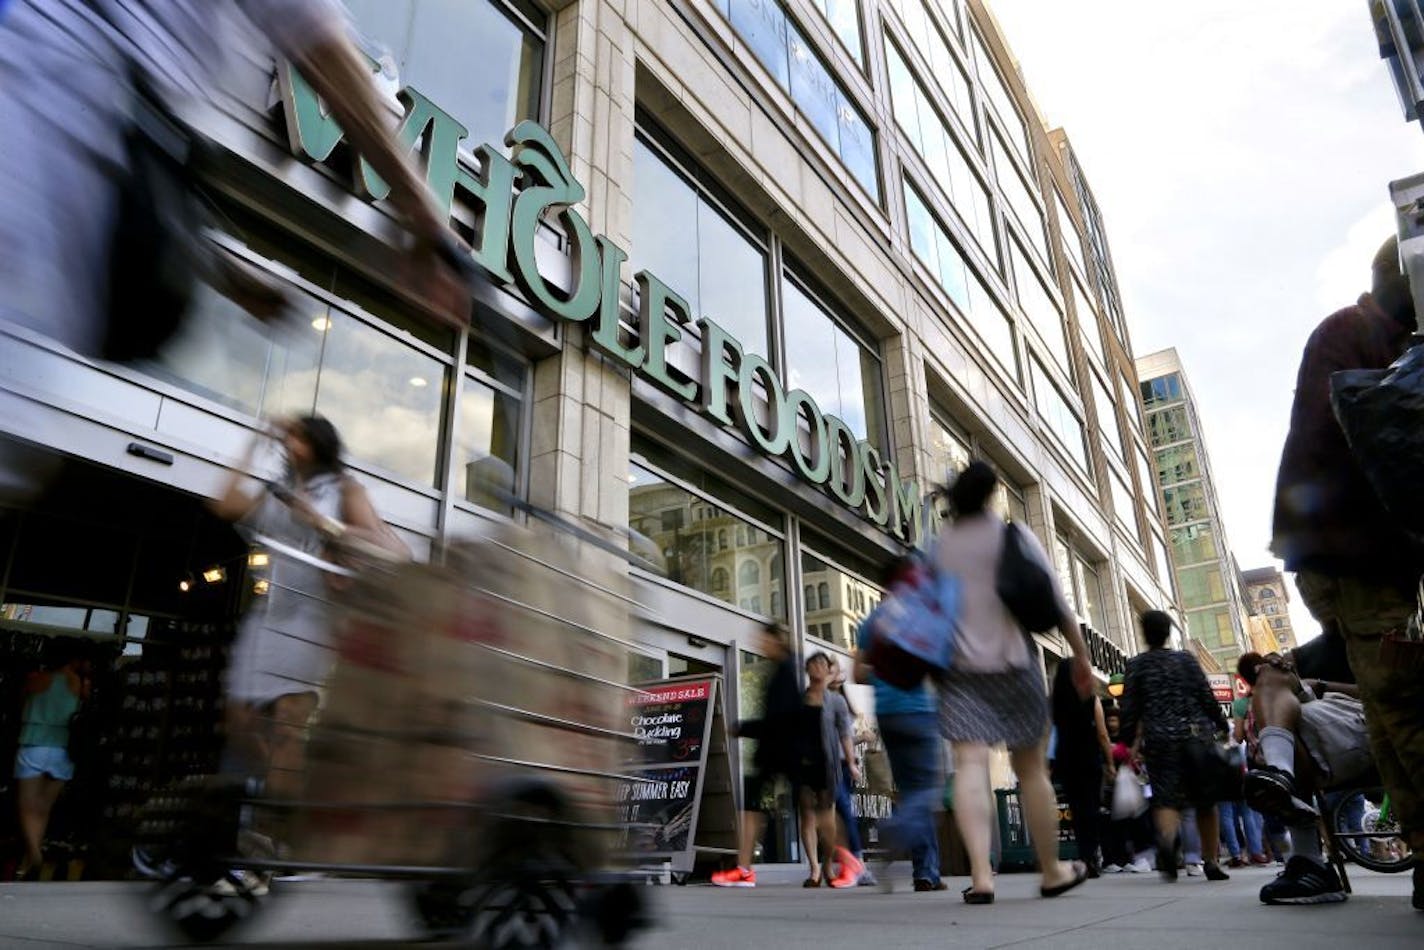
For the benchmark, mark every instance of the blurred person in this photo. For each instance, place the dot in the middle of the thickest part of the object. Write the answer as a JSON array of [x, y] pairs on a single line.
[[43, 764], [775, 754], [995, 693], [65, 78], [909, 728], [1082, 763], [1250, 819], [849, 778], [1356, 569], [824, 735], [1310, 737], [1165, 701]]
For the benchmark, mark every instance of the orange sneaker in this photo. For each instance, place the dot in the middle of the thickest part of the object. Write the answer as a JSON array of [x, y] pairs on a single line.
[[851, 869], [736, 877]]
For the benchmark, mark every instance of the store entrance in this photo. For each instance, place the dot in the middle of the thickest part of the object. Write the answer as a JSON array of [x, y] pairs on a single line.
[[144, 583]]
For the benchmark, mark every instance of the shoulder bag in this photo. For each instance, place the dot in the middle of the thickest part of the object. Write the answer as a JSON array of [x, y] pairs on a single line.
[[1024, 584]]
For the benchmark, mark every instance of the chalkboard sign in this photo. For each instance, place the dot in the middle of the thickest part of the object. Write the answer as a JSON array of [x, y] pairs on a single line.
[[681, 802]]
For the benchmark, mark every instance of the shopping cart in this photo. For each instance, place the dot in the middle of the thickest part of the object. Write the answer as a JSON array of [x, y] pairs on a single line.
[[469, 743]]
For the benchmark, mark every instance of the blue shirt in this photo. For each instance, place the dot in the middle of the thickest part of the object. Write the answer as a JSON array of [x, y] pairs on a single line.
[[892, 700]]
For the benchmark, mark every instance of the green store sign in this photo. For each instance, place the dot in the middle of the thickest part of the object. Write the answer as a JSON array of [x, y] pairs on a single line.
[[513, 195]]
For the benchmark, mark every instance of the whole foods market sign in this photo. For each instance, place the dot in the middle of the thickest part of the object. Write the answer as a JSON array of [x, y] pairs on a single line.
[[511, 196]]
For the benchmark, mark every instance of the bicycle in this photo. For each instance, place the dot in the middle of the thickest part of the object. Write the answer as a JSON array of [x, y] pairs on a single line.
[[1367, 832]]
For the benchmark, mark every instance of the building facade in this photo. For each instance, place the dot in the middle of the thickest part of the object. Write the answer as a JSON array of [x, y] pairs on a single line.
[[1269, 596], [1208, 579], [760, 274]]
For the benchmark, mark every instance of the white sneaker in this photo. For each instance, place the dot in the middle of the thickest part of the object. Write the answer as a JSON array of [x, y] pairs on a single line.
[[1194, 869], [1112, 868], [1140, 866], [247, 882]]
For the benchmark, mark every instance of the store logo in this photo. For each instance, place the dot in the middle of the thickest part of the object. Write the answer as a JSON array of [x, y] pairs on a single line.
[[513, 195]]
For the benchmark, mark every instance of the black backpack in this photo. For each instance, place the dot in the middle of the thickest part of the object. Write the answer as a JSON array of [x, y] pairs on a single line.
[[1024, 584]]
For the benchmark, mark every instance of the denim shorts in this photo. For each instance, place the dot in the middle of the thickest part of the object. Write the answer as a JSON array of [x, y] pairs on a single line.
[[36, 760]]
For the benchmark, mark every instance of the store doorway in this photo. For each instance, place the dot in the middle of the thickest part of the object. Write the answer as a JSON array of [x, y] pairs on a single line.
[[149, 585]]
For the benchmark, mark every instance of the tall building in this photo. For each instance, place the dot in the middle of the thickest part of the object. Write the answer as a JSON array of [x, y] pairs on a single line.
[[1208, 580], [759, 274], [1269, 596]]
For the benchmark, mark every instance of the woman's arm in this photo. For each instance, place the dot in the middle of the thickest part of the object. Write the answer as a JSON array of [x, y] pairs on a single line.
[[1101, 722], [237, 499], [361, 523]]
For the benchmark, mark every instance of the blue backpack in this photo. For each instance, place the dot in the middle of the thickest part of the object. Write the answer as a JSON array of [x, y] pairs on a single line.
[[912, 630]]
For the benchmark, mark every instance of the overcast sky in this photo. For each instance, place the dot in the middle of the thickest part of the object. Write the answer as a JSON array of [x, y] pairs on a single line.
[[1240, 153]]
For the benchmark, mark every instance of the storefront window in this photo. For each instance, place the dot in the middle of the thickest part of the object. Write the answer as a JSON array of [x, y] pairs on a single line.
[[936, 250], [842, 600], [748, 574], [714, 266], [479, 60], [841, 374], [799, 70]]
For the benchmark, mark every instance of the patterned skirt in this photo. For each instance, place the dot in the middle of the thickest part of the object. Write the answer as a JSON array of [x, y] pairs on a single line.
[[988, 708]]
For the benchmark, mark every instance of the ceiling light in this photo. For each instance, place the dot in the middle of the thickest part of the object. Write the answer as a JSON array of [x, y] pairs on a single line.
[[185, 585], [215, 575], [418, 382], [321, 324], [261, 586], [258, 559]]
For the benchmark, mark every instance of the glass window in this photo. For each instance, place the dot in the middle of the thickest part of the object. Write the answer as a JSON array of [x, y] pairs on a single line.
[[1161, 561], [1194, 544], [937, 145], [842, 600], [1166, 426], [1087, 321], [1106, 413], [844, 19], [472, 58], [1072, 238], [661, 511], [486, 443], [1040, 308], [1201, 585], [948, 74], [1161, 389], [1130, 405], [841, 374], [1123, 506], [1020, 197], [1177, 464], [720, 272], [1185, 503], [1151, 487], [949, 452], [999, 99], [797, 68], [1053, 407], [1212, 627], [959, 281]]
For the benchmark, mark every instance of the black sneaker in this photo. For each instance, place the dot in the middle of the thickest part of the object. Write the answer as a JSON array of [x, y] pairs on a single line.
[[1271, 791], [1213, 872], [1167, 863], [1304, 882]]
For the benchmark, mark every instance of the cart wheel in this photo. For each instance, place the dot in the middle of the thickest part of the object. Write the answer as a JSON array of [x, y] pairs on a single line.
[[202, 912], [524, 913]]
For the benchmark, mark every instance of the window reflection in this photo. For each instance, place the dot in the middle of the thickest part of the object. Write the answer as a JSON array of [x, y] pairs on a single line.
[[842, 376], [689, 532], [836, 601], [469, 57], [383, 396], [486, 456]]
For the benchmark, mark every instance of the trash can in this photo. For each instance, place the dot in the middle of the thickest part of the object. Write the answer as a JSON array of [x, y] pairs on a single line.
[[1017, 852]]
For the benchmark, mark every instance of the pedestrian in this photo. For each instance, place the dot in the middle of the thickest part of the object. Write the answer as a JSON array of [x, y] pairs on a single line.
[[66, 66], [1355, 567], [850, 778], [775, 754], [994, 693], [1166, 703], [1082, 763], [909, 728], [824, 734], [43, 765]]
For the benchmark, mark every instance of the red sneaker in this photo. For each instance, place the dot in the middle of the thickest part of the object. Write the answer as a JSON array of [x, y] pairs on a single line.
[[851, 869], [736, 877]]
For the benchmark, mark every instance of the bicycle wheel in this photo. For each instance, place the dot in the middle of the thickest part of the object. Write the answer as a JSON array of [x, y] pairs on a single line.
[[1367, 837]]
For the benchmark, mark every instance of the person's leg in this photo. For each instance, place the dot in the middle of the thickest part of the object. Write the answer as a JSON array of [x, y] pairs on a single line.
[[1040, 807], [1251, 825], [286, 740], [971, 810], [808, 815], [924, 783], [1191, 837], [33, 818], [1082, 787], [845, 809], [1228, 812], [1209, 824]]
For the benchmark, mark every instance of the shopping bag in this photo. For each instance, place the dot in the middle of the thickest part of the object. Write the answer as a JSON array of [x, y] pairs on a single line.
[[1128, 801]]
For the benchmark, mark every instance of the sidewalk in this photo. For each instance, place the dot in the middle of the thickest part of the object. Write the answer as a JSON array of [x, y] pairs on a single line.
[[1119, 911]]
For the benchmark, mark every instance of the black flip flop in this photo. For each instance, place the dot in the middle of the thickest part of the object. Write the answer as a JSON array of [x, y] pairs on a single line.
[[1080, 874], [971, 896]]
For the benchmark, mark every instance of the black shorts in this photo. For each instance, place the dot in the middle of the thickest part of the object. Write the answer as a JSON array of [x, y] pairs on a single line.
[[805, 777]]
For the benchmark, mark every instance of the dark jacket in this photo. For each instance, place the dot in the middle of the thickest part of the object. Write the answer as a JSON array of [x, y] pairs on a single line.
[[1165, 696], [776, 730], [1327, 517]]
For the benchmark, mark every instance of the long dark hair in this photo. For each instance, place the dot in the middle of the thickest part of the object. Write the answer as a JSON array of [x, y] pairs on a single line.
[[325, 443]]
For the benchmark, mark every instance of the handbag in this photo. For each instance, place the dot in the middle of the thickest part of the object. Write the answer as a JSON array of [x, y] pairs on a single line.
[[1024, 584], [156, 245], [1216, 769]]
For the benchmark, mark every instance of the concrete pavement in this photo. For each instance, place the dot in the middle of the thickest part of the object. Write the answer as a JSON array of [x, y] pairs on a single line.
[[1120, 911]]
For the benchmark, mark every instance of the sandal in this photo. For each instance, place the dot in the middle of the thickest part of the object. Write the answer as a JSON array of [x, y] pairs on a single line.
[[811, 882], [1080, 874], [971, 896]]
